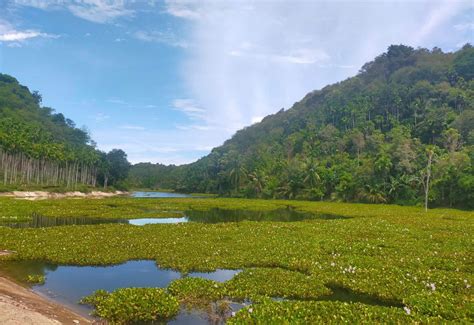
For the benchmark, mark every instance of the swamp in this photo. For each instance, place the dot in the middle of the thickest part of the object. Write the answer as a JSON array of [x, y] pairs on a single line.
[[186, 260]]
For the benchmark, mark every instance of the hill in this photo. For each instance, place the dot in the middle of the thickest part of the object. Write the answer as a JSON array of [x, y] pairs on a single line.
[[397, 132], [39, 147]]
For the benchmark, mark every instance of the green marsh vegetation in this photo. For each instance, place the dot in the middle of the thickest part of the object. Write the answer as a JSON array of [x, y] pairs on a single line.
[[417, 264], [133, 305]]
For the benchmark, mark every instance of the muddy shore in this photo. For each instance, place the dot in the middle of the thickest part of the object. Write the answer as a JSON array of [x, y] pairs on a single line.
[[38, 195], [22, 306]]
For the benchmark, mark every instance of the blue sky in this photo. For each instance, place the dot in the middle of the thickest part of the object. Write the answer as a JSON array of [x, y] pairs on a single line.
[[169, 80]]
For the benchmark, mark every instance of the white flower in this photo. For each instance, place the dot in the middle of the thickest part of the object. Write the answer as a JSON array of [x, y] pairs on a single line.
[[233, 314], [250, 310], [407, 310], [432, 286]]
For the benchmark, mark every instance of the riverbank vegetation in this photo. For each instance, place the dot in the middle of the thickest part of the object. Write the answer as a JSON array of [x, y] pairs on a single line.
[[410, 265], [41, 148], [400, 131]]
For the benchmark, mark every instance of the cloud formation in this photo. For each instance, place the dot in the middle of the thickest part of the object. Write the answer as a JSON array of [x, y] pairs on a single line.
[[164, 37], [249, 59], [97, 11], [9, 34]]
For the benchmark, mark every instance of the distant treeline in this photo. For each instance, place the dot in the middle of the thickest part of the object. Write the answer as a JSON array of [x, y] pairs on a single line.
[[42, 148], [401, 131]]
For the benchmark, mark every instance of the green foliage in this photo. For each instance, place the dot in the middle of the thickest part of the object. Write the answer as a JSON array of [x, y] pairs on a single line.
[[275, 282], [320, 312], [362, 139], [35, 279], [464, 63], [393, 253], [196, 291], [133, 305], [39, 147]]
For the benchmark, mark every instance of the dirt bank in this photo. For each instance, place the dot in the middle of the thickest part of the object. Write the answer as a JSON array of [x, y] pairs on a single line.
[[37, 195], [21, 306]]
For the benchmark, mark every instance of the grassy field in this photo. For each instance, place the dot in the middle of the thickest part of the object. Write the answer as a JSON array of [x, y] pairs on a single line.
[[418, 266]]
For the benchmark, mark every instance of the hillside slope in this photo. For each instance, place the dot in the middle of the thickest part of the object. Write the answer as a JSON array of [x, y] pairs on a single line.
[[374, 137], [39, 147]]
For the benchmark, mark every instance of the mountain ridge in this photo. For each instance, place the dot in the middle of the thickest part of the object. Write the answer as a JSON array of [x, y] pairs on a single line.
[[361, 139]]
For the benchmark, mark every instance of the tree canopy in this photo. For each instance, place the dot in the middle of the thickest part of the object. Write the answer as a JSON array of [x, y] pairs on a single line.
[[363, 139]]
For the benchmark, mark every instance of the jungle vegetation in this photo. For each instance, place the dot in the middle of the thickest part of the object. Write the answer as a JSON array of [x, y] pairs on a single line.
[[400, 131], [39, 147]]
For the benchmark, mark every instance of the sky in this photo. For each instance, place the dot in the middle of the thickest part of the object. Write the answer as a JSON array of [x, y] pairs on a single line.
[[167, 81]]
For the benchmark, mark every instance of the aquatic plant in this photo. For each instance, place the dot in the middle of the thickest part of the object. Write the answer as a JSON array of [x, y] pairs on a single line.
[[320, 312], [393, 253], [133, 305], [196, 291], [35, 279]]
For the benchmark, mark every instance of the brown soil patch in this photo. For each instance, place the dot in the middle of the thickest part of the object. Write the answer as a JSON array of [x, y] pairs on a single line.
[[21, 306]]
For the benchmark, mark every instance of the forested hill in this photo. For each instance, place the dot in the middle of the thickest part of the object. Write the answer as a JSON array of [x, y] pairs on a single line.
[[41, 148], [369, 138]]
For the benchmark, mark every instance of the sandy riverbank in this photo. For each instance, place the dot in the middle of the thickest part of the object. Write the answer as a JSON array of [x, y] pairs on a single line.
[[38, 195], [21, 306]]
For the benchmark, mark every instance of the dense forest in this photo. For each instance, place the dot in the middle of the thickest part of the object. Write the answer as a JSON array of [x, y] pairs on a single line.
[[400, 131], [41, 148]]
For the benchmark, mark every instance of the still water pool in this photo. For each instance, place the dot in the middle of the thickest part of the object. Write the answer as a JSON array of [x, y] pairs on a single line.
[[158, 195], [215, 215], [69, 284]]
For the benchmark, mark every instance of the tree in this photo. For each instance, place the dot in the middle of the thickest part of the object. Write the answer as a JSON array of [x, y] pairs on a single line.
[[116, 167], [37, 97], [464, 62], [430, 152]]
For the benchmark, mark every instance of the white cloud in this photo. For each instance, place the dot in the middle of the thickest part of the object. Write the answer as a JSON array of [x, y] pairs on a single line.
[[116, 101], [464, 26], [167, 146], [251, 58], [189, 108], [298, 56], [193, 127], [97, 11], [132, 127], [10, 34], [256, 119], [441, 13], [183, 9], [164, 37], [100, 117]]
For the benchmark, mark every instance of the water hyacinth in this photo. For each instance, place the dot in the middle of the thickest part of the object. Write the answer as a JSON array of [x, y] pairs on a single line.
[[297, 261], [133, 305]]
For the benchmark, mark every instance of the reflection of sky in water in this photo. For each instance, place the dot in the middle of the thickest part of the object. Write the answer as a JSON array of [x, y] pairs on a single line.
[[158, 194], [147, 221], [218, 275], [68, 284]]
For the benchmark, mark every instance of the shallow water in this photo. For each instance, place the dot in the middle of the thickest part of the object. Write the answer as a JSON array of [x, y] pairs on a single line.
[[215, 215], [39, 221], [149, 221], [69, 284], [158, 194]]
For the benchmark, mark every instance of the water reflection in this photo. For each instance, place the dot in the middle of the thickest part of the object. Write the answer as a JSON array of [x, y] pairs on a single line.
[[39, 221], [214, 215], [217, 215], [158, 195], [148, 221], [68, 284]]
